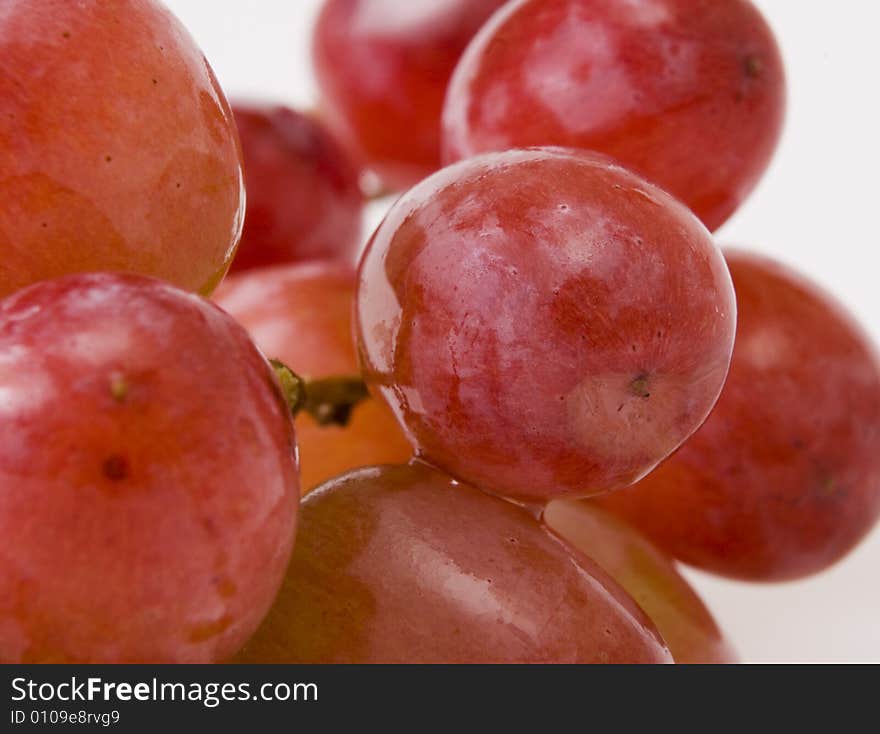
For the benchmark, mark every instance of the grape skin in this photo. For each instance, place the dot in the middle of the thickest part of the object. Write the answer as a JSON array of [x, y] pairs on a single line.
[[544, 323], [304, 200], [784, 478], [118, 150], [382, 68], [403, 565], [691, 95], [148, 478], [647, 574], [302, 314]]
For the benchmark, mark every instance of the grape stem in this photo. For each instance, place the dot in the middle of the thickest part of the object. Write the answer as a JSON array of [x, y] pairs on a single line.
[[329, 401]]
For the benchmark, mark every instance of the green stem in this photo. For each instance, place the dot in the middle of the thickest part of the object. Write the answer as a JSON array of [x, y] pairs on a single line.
[[329, 401]]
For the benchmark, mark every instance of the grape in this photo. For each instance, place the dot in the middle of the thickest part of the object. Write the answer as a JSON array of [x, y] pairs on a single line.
[[148, 484], [304, 197], [544, 323], [383, 67], [690, 95], [118, 150], [403, 565], [784, 477], [301, 314], [647, 575]]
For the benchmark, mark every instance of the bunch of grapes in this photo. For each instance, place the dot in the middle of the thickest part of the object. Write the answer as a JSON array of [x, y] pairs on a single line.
[[538, 387]]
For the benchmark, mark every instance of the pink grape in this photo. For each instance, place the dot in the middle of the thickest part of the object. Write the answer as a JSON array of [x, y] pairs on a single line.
[[399, 564], [148, 478], [118, 150], [544, 323], [383, 67], [688, 93], [784, 478], [304, 200]]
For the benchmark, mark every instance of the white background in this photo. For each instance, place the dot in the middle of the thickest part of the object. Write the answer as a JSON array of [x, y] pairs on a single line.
[[817, 209]]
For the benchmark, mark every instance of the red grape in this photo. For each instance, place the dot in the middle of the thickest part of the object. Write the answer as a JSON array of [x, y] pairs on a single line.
[[301, 314], [383, 67], [117, 147], [304, 197], [403, 565], [784, 477], [148, 485], [544, 323], [690, 94], [647, 575]]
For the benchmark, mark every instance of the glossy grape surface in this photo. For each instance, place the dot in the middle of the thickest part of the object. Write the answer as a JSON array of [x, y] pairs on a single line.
[[688, 93], [383, 67], [400, 564], [544, 323], [648, 575], [303, 194], [784, 477], [118, 150], [301, 314], [148, 484]]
